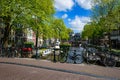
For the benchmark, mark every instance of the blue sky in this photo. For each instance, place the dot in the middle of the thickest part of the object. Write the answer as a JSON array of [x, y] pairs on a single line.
[[75, 13]]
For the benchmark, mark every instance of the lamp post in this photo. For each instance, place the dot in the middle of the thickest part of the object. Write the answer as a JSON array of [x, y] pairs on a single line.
[[59, 42], [54, 59], [56, 50], [56, 47]]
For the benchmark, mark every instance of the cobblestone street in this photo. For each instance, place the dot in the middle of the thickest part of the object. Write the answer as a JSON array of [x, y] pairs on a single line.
[[31, 69]]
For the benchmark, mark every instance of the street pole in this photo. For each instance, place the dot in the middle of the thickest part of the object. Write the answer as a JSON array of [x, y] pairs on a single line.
[[59, 42], [37, 44], [36, 37], [54, 60]]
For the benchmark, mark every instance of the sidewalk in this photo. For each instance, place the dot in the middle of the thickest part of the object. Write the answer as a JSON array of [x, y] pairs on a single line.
[[99, 72]]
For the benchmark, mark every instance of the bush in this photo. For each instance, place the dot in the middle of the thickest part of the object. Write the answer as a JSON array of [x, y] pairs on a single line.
[[29, 44], [65, 46]]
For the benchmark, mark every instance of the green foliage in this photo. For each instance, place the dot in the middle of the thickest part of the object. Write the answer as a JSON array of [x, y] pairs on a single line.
[[29, 44], [34, 14], [65, 46], [22, 11], [105, 18], [59, 29]]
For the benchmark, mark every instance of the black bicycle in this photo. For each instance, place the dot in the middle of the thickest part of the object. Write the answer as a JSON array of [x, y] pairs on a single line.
[[71, 57], [89, 55], [75, 58], [109, 59], [104, 56]]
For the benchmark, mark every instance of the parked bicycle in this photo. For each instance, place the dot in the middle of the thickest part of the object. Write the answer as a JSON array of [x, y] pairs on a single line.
[[9, 52], [92, 55], [105, 56], [5, 52], [72, 57], [89, 55], [109, 59]]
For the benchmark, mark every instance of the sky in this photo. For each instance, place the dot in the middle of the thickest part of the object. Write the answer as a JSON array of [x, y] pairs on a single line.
[[75, 13]]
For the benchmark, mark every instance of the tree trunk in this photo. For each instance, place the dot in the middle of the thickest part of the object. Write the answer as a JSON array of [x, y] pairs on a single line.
[[7, 31]]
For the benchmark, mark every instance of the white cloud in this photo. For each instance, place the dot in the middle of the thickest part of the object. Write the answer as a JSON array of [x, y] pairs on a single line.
[[78, 23], [86, 4], [64, 16], [63, 5], [69, 19]]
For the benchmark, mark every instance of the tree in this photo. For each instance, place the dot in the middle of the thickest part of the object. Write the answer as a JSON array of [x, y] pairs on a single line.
[[22, 12], [102, 12], [104, 18], [59, 29]]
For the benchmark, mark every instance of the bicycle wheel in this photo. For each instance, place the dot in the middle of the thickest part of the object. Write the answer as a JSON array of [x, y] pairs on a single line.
[[63, 57], [75, 59], [63, 60], [110, 61], [78, 59], [69, 58], [91, 58]]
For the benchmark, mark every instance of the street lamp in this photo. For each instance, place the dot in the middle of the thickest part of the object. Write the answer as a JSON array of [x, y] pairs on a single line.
[[58, 29], [54, 58], [56, 52], [57, 47]]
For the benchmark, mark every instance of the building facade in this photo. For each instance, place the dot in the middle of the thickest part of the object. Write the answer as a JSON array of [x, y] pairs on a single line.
[[115, 38]]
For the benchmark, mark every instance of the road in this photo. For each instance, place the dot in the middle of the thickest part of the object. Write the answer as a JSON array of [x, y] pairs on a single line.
[[31, 69], [15, 72]]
